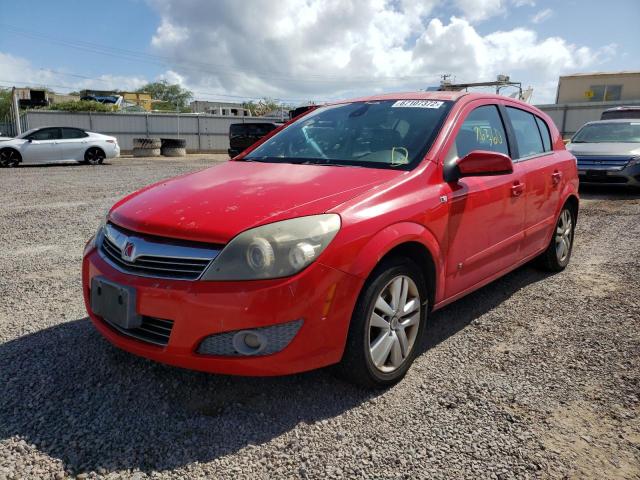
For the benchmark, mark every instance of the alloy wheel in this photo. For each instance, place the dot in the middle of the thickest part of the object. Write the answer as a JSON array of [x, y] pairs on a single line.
[[94, 156], [564, 233], [9, 158], [394, 323]]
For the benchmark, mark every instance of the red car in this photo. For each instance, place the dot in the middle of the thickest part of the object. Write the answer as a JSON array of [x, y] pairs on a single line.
[[332, 239]]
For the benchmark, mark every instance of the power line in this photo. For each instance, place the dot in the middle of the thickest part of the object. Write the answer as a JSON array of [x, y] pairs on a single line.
[[205, 67]]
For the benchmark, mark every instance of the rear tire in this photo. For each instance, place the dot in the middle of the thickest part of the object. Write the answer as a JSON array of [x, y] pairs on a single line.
[[557, 255], [94, 156], [386, 326], [9, 158]]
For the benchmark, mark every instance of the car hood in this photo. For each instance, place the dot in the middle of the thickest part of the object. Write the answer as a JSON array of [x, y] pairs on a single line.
[[627, 149], [216, 204]]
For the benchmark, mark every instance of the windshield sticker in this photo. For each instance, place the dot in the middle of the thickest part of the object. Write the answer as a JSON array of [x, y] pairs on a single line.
[[418, 104]]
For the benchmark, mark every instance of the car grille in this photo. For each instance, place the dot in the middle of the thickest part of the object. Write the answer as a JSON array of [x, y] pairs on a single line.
[[602, 162], [153, 330], [152, 257]]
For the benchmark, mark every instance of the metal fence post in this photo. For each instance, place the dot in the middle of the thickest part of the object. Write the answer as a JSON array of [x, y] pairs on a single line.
[[146, 123], [90, 121], [199, 137]]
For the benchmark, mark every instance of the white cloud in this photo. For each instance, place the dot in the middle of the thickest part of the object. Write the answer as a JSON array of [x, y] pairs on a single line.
[[542, 15], [477, 10], [20, 72], [326, 49]]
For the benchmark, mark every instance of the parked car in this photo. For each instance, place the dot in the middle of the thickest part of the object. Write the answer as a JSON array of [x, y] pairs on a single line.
[[621, 112], [333, 240], [608, 152], [58, 144], [243, 135]]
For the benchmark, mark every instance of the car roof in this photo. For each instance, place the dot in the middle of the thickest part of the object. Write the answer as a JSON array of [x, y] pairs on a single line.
[[613, 120], [430, 95]]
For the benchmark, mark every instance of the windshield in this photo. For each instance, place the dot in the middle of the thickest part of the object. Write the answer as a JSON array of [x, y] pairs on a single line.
[[381, 134], [614, 132]]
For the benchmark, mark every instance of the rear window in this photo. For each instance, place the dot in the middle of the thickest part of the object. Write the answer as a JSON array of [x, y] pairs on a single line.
[[544, 132], [526, 131], [622, 113], [251, 129], [614, 132], [73, 133]]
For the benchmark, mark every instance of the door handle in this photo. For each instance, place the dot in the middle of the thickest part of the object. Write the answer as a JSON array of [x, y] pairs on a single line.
[[556, 177], [517, 188]]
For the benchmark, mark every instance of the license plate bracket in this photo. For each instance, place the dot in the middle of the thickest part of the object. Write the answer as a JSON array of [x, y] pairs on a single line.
[[115, 303]]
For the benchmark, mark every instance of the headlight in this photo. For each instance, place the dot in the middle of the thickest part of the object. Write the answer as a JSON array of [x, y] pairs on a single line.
[[634, 161], [276, 250]]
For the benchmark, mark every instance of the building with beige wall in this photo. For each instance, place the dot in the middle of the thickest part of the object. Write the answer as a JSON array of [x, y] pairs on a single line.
[[599, 87]]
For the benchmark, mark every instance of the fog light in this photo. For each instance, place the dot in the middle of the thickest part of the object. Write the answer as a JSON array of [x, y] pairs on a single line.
[[256, 341], [249, 342]]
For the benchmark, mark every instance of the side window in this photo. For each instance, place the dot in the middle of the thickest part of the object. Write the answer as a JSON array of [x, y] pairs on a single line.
[[73, 133], [544, 131], [526, 131], [481, 130], [45, 134]]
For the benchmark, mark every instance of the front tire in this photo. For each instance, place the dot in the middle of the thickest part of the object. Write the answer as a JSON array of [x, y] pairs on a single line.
[[94, 156], [557, 255], [9, 158], [386, 325]]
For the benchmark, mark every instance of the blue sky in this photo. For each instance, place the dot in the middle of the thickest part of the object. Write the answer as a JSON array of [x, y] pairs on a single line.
[[300, 50]]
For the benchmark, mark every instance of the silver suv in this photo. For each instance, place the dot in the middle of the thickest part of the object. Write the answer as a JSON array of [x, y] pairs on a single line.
[[608, 152]]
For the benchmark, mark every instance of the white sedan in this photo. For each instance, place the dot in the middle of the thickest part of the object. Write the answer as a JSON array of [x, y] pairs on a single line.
[[58, 144]]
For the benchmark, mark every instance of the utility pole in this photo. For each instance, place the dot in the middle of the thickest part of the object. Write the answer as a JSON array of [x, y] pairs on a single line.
[[16, 112]]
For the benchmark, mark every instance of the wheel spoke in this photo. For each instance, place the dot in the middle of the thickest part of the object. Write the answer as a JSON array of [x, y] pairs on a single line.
[[384, 307], [410, 321], [411, 306], [379, 322], [396, 351], [396, 291], [403, 295], [403, 341], [381, 348]]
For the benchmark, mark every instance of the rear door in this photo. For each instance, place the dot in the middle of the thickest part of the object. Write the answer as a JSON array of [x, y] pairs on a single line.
[[486, 214], [73, 144], [42, 146], [543, 178]]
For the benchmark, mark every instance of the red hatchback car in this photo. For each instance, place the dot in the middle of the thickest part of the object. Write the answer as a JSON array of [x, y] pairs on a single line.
[[331, 240]]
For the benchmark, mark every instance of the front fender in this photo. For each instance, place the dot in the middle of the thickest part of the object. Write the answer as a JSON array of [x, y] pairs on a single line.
[[392, 236]]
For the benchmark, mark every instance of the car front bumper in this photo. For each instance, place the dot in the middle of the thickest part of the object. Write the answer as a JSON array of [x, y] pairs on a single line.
[[629, 175], [321, 296]]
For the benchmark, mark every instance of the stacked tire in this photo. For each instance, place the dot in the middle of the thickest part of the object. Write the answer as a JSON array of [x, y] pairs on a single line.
[[146, 147], [173, 147]]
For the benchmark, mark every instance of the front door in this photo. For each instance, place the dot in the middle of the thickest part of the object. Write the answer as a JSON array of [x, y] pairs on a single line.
[[486, 214], [42, 146]]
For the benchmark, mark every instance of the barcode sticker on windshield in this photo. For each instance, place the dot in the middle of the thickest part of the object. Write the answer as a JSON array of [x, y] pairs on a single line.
[[418, 104]]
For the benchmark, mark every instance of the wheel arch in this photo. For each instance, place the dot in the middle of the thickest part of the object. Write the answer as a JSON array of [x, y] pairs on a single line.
[[410, 240]]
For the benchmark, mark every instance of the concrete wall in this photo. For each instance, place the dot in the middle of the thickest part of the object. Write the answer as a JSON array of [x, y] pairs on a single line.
[[203, 133], [569, 117]]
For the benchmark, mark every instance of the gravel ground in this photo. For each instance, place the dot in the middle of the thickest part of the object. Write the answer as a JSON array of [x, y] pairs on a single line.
[[534, 376]]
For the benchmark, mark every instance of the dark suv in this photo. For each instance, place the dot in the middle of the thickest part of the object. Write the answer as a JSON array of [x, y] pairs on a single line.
[[243, 135]]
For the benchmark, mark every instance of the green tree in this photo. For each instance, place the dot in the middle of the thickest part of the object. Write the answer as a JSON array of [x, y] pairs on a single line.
[[5, 102], [168, 94], [82, 106], [264, 106]]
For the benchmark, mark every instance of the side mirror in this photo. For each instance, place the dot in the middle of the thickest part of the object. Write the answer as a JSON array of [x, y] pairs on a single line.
[[29, 140], [479, 163]]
